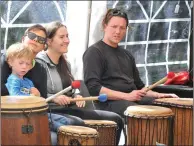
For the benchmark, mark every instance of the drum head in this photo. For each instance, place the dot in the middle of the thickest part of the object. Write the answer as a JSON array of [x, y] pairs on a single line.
[[176, 101], [100, 123], [147, 110], [17, 103], [78, 130]]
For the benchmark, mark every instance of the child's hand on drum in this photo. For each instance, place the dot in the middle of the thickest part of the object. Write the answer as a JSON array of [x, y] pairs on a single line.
[[80, 103], [34, 91]]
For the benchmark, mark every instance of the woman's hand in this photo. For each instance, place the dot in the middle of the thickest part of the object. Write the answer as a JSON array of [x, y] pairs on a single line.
[[34, 91], [80, 103], [61, 100]]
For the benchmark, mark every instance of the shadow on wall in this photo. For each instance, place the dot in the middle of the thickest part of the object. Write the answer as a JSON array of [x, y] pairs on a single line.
[[96, 28]]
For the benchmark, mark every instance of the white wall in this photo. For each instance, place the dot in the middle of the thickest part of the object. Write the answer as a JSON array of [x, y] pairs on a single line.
[[77, 23], [98, 11]]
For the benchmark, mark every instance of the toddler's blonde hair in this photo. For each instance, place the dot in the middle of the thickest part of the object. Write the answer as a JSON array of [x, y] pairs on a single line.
[[19, 50]]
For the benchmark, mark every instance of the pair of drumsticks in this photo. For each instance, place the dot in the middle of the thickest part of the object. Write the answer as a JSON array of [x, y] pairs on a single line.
[[103, 97], [76, 85]]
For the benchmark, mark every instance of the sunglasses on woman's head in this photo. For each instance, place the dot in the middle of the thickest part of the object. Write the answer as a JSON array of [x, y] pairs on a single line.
[[40, 39]]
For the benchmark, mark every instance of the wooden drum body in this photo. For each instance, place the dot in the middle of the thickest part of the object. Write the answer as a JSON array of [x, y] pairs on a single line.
[[183, 123], [24, 121], [149, 125], [106, 130], [77, 136]]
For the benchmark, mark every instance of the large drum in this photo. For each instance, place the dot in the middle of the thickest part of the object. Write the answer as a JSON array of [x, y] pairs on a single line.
[[77, 136], [24, 121], [149, 125], [183, 125], [106, 130]]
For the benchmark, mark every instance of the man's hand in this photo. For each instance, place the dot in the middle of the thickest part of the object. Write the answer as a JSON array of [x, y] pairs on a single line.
[[165, 95], [136, 95]]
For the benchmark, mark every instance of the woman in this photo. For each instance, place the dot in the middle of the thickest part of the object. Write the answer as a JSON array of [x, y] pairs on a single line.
[[60, 77], [35, 37]]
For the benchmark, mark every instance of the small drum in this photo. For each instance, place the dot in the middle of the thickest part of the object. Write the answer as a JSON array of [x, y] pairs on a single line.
[[149, 125], [77, 136], [183, 125], [24, 121], [106, 130]]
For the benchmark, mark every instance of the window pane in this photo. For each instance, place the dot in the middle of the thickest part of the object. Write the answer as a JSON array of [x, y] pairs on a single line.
[[155, 73], [138, 51], [178, 67], [159, 31], [15, 35], [138, 32], [178, 51], [168, 11], [16, 7], [3, 8], [2, 38], [142, 74], [156, 53], [180, 30], [41, 12]]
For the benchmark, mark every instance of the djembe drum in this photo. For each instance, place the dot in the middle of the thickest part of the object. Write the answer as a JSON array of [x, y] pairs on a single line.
[[77, 136], [149, 125], [106, 129], [24, 121], [183, 125]]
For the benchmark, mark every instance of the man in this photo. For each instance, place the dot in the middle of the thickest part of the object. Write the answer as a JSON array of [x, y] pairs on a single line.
[[111, 70]]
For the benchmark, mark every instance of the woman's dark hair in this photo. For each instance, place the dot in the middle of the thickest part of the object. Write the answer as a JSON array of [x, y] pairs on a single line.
[[114, 12], [62, 67], [35, 27]]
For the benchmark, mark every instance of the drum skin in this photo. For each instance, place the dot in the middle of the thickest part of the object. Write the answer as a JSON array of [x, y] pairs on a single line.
[[77, 136], [149, 125], [183, 123], [106, 130], [24, 121]]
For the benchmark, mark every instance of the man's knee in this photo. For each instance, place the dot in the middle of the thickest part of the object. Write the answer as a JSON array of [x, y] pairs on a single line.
[[146, 101], [73, 120], [124, 104], [120, 106]]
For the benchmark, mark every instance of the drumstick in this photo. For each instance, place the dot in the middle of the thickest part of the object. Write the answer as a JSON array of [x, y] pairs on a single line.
[[101, 98], [74, 85], [169, 75]]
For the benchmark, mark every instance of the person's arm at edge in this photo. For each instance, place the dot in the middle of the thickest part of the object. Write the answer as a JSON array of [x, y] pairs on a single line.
[[113, 95], [5, 72]]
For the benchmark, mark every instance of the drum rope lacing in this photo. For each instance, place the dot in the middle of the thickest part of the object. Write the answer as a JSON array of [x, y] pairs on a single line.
[[83, 137], [27, 115], [147, 124], [99, 126]]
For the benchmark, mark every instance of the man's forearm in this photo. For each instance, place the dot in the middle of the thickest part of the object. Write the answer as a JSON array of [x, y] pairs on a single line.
[[112, 94]]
